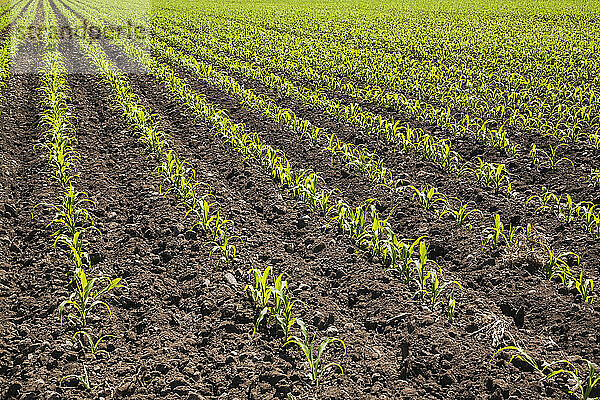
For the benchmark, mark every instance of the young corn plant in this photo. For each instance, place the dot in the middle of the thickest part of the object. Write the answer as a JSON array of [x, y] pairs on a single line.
[[83, 379], [421, 273], [519, 353], [461, 213], [379, 231], [314, 353], [282, 309], [80, 257], [535, 157], [514, 232], [553, 160], [557, 266], [566, 210], [260, 292], [70, 215], [584, 286], [548, 159], [586, 211], [428, 196], [494, 176], [94, 344], [224, 246], [62, 158], [436, 286], [222, 235], [401, 255], [492, 235], [85, 299], [582, 386], [547, 199], [594, 178]]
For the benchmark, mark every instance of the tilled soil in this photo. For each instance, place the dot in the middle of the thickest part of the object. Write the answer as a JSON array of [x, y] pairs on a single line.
[[183, 326]]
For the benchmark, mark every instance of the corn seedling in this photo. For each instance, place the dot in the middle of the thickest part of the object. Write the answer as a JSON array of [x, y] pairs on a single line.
[[282, 309], [553, 159], [421, 273], [493, 175], [533, 153], [566, 210], [85, 299], [314, 355], [594, 178], [260, 293], [546, 198], [223, 245], [556, 265], [586, 212], [520, 354], [93, 344], [75, 245], [461, 214], [549, 159], [436, 286], [512, 238], [580, 386], [428, 196], [70, 215], [492, 235], [83, 379], [584, 286]]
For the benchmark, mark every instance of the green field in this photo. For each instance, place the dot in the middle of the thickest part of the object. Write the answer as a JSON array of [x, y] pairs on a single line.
[[299, 199]]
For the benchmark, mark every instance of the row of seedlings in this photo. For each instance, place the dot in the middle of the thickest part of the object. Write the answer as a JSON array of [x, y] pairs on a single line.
[[574, 105], [584, 383], [372, 167], [583, 386], [493, 175], [72, 220], [526, 239], [539, 157], [363, 222], [408, 138], [258, 277], [10, 45], [294, 65], [282, 303], [356, 157], [526, 245]]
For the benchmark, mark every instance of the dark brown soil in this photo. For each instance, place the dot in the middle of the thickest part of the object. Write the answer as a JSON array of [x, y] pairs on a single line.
[[184, 325]]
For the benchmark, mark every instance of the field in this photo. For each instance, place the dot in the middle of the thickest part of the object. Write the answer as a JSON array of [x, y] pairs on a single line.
[[299, 200]]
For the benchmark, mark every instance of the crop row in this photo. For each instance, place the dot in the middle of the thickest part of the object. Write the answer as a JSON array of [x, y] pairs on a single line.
[[550, 106], [489, 174], [9, 46], [72, 220], [496, 137], [410, 139], [281, 310], [363, 222], [370, 165], [365, 162]]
